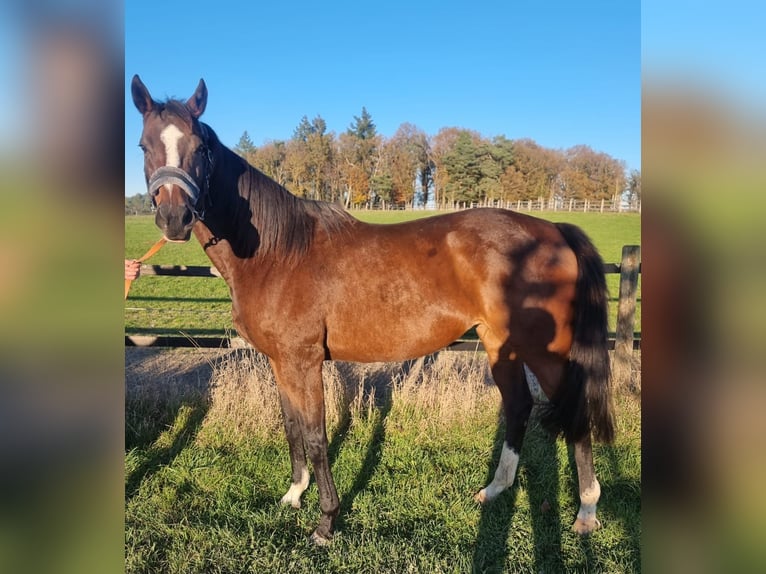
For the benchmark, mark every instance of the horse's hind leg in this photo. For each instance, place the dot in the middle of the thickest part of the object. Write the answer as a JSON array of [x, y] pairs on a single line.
[[550, 374], [590, 490], [517, 404]]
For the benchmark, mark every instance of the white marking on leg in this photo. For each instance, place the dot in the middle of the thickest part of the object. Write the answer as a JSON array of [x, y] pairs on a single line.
[[588, 501], [293, 495], [504, 475]]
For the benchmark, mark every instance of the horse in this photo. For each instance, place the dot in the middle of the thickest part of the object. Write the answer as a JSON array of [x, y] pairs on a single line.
[[311, 283]]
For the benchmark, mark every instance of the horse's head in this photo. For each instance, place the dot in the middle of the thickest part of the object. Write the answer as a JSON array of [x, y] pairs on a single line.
[[177, 159]]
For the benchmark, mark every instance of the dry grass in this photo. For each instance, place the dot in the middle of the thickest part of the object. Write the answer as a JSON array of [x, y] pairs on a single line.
[[443, 387], [443, 390], [239, 394]]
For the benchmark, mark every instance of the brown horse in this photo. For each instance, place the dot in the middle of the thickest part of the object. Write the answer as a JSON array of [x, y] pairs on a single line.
[[311, 283]]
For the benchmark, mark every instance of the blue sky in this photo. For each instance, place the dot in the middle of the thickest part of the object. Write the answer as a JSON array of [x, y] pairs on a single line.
[[559, 72]]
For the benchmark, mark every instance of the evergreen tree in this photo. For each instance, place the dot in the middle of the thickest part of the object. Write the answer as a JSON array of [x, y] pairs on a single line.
[[363, 126], [245, 146]]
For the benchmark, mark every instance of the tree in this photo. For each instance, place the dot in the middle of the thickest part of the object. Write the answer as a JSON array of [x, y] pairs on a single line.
[[463, 164], [354, 180], [494, 157], [468, 167], [245, 147], [539, 168], [633, 192], [308, 158], [271, 159], [455, 165], [512, 184], [139, 204], [441, 145], [359, 151], [407, 164], [362, 127], [591, 175]]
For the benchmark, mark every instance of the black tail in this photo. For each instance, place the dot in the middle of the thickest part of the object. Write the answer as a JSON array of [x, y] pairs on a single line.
[[583, 402]]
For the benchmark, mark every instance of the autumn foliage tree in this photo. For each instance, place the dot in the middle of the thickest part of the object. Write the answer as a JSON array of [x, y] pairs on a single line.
[[456, 165]]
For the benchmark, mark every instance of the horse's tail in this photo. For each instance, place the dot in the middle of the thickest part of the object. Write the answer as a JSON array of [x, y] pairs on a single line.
[[583, 402]]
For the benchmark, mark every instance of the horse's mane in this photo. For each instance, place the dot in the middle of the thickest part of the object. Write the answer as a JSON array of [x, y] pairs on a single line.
[[269, 220], [286, 223]]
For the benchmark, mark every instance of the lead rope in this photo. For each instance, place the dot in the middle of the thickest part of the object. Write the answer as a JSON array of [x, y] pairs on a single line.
[[152, 250]]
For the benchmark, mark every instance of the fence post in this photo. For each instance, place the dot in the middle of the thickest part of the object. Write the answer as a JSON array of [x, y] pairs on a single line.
[[626, 312]]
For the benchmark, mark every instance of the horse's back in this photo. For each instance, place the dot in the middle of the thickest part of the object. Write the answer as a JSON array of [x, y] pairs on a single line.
[[399, 291]]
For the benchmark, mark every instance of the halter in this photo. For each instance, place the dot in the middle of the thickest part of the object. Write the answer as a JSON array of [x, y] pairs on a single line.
[[176, 176]]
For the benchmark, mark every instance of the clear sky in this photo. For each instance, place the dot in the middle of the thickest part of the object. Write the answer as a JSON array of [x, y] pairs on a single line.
[[559, 72]]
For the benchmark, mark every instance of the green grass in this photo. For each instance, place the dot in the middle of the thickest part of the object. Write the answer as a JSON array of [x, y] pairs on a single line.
[[202, 494], [201, 306]]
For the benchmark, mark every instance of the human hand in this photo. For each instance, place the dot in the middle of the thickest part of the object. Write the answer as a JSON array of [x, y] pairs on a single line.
[[132, 269]]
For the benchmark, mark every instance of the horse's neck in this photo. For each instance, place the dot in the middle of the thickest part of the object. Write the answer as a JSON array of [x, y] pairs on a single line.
[[223, 234], [218, 250]]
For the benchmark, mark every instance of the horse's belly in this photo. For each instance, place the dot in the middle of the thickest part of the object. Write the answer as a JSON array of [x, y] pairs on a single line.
[[367, 340]]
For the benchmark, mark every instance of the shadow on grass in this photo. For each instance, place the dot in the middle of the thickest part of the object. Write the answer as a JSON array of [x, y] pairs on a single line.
[[163, 414], [378, 387], [538, 468], [491, 546], [168, 445], [542, 478]]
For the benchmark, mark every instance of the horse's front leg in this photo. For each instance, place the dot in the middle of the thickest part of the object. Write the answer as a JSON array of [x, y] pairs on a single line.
[[299, 378], [300, 471]]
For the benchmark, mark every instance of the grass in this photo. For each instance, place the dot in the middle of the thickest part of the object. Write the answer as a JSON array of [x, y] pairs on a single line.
[[201, 306], [409, 446], [206, 461]]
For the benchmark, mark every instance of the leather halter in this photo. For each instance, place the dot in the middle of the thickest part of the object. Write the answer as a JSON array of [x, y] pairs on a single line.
[[200, 198]]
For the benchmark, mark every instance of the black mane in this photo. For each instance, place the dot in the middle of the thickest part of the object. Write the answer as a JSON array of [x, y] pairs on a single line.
[[273, 221]]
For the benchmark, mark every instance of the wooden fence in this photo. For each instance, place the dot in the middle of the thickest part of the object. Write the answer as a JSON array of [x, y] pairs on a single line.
[[624, 341], [540, 204]]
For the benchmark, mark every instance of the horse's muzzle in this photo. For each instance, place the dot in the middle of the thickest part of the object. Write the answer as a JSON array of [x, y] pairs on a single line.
[[175, 221]]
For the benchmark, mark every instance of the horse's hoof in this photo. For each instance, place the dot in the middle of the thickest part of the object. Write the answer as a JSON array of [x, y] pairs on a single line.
[[290, 500], [319, 540], [480, 497], [583, 527]]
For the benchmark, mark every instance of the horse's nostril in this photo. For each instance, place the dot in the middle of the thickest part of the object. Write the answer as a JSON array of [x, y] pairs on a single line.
[[188, 217]]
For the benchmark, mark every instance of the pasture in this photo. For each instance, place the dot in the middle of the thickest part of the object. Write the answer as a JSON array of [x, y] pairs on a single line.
[[206, 459]]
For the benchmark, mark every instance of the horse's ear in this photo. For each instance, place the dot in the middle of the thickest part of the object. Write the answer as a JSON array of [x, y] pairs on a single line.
[[141, 97], [198, 101]]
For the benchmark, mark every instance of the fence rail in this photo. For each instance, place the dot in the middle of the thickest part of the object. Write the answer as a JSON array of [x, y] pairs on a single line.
[[539, 204], [624, 341]]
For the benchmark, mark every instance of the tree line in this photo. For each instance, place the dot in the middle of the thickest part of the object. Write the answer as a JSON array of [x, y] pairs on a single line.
[[360, 167]]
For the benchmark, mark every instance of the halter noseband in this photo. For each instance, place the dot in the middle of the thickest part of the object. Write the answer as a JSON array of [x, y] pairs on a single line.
[[176, 176]]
